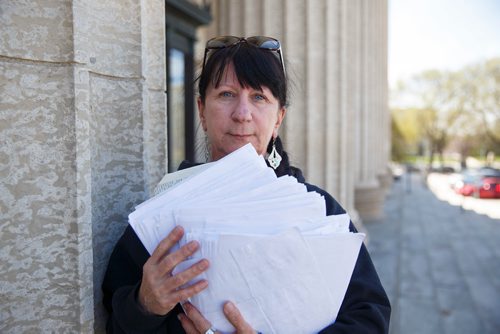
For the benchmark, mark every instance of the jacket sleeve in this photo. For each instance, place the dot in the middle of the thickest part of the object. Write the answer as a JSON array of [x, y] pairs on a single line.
[[120, 287], [366, 307]]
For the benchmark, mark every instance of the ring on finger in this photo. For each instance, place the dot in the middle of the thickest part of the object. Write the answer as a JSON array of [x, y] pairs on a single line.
[[211, 330]]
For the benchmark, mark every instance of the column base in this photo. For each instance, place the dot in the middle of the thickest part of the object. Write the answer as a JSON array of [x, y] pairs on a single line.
[[385, 181], [369, 202], [358, 224]]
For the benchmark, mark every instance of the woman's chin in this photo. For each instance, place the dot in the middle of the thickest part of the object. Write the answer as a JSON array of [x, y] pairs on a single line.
[[231, 148]]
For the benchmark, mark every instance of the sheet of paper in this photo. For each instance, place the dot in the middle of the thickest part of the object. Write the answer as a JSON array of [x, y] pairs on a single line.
[[259, 261], [281, 273], [225, 282], [188, 189], [213, 175], [172, 179], [336, 255]]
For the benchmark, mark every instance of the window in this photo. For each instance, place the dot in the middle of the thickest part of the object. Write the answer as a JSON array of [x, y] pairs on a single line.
[[182, 19], [177, 112]]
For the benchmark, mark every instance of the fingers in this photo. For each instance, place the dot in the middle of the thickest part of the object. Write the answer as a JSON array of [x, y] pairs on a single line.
[[187, 275], [198, 320], [187, 324], [159, 290], [186, 293], [162, 299], [195, 322], [164, 246], [236, 319], [169, 262]]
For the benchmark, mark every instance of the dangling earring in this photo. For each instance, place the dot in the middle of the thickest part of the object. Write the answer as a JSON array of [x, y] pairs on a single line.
[[274, 157], [207, 154]]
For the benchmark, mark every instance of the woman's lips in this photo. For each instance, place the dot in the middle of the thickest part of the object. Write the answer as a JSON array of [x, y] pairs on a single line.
[[241, 136]]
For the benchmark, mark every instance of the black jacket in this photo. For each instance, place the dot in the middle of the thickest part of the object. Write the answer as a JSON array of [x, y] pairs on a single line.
[[365, 309]]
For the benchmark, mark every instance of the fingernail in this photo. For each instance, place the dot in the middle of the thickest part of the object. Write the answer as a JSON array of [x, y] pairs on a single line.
[[203, 265], [230, 306], [202, 285], [192, 245]]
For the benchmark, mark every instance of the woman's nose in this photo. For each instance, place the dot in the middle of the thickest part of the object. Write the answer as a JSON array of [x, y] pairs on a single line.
[[242, 111]]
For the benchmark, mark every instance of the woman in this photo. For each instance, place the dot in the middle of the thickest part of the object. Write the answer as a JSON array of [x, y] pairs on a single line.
[[242, 99]]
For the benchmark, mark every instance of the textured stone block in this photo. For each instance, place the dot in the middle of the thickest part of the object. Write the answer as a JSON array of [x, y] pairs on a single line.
[[153, 44], [39, 285], [117, 168], [108, 36], [40, 30], [155, 139]]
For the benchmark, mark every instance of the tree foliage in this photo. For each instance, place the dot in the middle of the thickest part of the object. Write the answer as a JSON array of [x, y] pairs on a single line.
[[484, 86], [405, 133], [450, 109]]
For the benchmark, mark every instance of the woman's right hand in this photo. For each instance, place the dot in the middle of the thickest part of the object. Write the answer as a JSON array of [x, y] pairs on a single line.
[[159, 291]]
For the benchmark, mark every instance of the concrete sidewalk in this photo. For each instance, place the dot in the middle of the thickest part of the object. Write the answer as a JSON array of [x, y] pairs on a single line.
[[439, 264]]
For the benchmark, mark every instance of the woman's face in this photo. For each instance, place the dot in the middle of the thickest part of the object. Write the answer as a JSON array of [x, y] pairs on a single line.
[[233, 116]]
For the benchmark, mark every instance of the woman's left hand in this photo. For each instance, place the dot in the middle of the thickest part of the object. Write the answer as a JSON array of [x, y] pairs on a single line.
[[194, 322]]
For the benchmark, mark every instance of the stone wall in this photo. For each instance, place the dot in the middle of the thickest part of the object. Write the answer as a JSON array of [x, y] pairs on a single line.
[[83, 131]]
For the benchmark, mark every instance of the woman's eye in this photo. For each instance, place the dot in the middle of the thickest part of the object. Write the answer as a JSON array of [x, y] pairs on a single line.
[[260, 97], [226, 94]]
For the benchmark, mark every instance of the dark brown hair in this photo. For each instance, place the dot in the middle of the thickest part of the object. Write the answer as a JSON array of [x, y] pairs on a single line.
[[255, 68]]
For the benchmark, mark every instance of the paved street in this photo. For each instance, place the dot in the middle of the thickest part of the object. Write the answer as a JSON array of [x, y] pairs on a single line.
[[439, 263]]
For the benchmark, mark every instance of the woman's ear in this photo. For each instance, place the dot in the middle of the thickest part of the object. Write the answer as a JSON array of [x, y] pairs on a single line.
[[201, 113], [279, 120]]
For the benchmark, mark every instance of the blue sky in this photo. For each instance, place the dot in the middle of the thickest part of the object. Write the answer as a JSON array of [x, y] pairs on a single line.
[[441, 34]]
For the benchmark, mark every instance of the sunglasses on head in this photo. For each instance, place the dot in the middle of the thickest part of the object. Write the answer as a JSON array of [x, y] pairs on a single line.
[[261, 42]]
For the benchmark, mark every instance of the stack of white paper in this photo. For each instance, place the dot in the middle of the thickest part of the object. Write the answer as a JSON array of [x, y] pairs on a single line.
[[272, 249]]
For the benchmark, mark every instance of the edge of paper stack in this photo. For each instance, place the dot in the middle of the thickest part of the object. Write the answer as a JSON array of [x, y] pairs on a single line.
[[272, 249]]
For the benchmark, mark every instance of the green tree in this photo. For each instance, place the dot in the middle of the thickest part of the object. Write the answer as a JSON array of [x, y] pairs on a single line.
[[437, 108], [461, 108], [405, 133], [483, 93], [399, 147]]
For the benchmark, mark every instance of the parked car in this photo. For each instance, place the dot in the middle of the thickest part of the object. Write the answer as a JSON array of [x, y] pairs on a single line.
[[481, 183], [464, 183], [488, 187]]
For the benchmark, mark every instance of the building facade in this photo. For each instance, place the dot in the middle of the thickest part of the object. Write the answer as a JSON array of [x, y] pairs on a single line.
[[96, 104]]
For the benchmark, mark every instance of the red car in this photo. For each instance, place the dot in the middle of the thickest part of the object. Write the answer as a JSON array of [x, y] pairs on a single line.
[[465, 184], [483, 183], [488, 187]]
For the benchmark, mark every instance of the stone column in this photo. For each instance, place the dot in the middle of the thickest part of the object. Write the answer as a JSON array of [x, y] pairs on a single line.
[[368, 195], [46, 254], [294, 129], [384, 175], [83, 112]]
